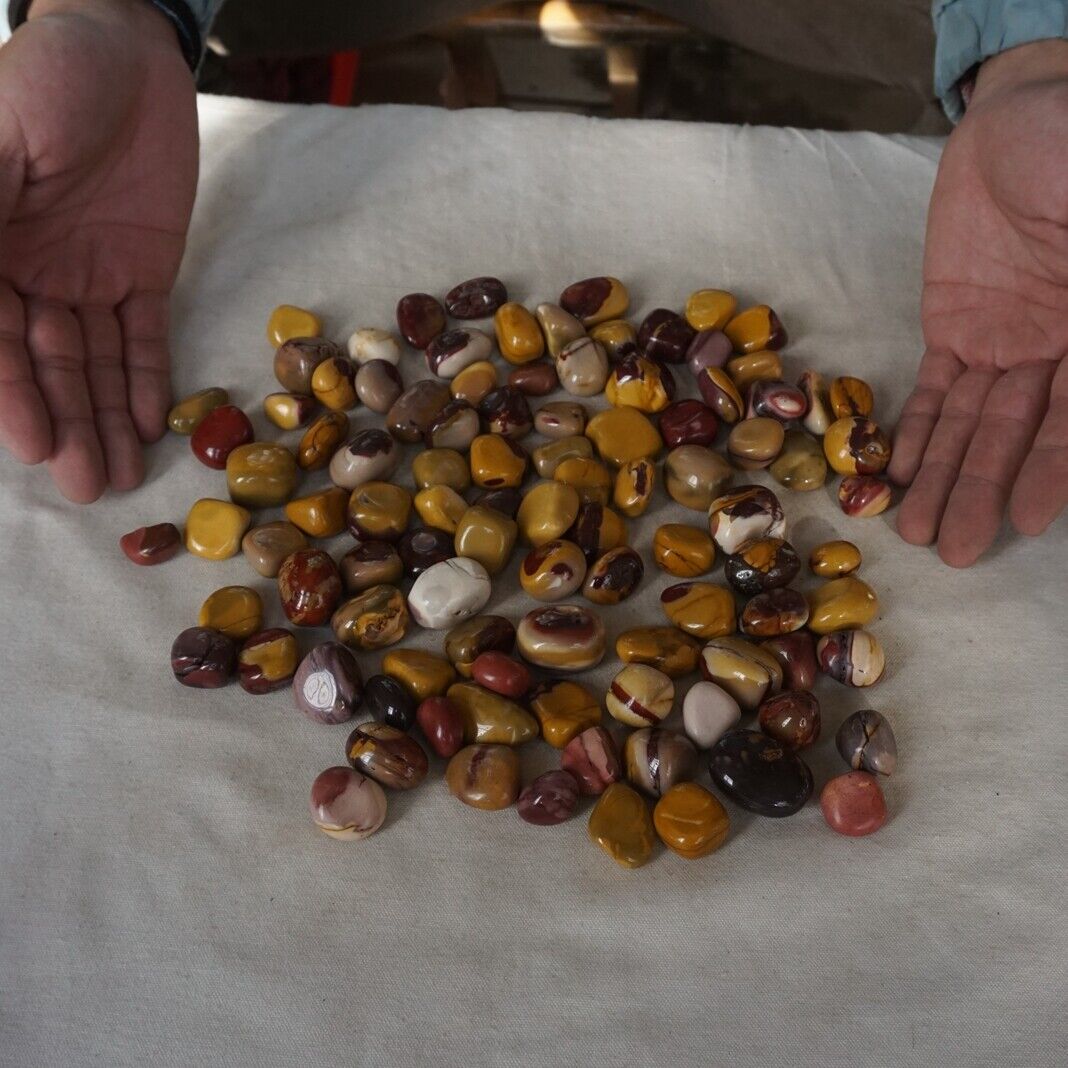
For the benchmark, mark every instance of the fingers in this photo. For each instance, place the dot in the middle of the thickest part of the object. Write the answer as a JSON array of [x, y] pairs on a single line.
[[1041, 491], [920, 514], [54, 340], [938, 371], [107, 394], [146, 357], [1006, 429], [25, 428]]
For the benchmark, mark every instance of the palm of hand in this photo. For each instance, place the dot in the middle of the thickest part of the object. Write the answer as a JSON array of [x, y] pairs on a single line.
[[94, 217], [987, 425]]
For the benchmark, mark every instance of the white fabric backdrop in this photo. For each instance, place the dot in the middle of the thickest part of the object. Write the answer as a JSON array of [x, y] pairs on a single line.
[[164, 898]]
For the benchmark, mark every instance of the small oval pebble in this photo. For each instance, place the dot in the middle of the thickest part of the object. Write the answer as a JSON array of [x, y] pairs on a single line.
[[665, 336], [856, 446], [219, 433], [422, 674], [621, 825], [373, 619], [321, 440], [796, 653], [682, 550], [864, 496], [744, 514], [688, 422], [658, 759], [420, 318], [441, 726], [288, 411], [779, 611], [853, 804], [266, 547], [755, 328], [851, 657], [553, 570], [334, 384], [387, 754], [535, 379], [267, 661], [582, 367], [592, 757], [640, 696], [235, 611], [550, 799], [368, 456], [347, 805], [614, 577], [791, 717], [450, 352], [423, 548], [449, 592], [152, 545], [465, 641], [850, 396], [759, 773], [387, 701], [187, 414], [371, 563], [695, 475], [708, 712], [595, 300], [378, 385], [502, 674], [484, 776], [665, 648], [370, 344], [842, 604], [474, 382], [477, 298], [560, 419], [691, 821], [566, 637], [328, 686], [295, 361], [203, 658], [699, 608], [762, 565], [867, 743]]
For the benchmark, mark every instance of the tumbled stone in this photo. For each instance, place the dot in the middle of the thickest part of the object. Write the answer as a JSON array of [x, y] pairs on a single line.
[[757, 327], [550, 799], [708, 712], [657, 759], [449, 592], [370, 344], [490, 717], [665, 648], [866, 742], [261, 475], [295, 361], [564, 709], [484, 776], [565, 637], [691, 821], [235, 611], [760, 774], [320, 515], [623, 434], [420, 318], [321, 440], [190, 411], [288, 321], [591, 756], [682, 550], [853, 804], [387, 754], [328, 686], [486, 535], [595, 300], [791, 717], [519, 337], [347, 805], [421, 674], [640, 695], [621, 825], [842, 604], [373, 619], [267, 661], [699, 608], [213, 528]]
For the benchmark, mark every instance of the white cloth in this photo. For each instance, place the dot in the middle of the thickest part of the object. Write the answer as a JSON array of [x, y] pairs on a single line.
[[164, 898]]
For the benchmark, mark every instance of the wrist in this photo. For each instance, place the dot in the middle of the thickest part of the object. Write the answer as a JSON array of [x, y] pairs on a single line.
[[1030, 64], [147, 21]]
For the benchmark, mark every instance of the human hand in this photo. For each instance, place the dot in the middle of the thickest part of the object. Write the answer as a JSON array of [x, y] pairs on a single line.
[[987, 424], [98, 167]]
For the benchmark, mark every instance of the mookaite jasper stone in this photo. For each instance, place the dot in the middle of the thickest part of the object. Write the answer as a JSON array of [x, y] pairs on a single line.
[[550, 799], [477, 298], [378, 384], [455, 426], [486, 535], [213, 529], [296, 359], [867, 743], [856, 446], [236, 611], [796, 653], [743, 515], [589, 478], [370, 455], [850, 396], [309, 587], [421, 674], [665, 336], [763, 365], [261, 475], [474, 382], [688, 422], [780, 611], [657, 759], [755, 328], [842, 604], [634, 485], [775, 400], [595, 300], [267, 661], [640, 383], [266, 546], [864, 496], [851, 657], [187, 414], [502, 674], [518, 335], [695, 476], [379, 511], [709, 348], [369, 344], [833, 559], [753, 443], [691, 821], [449, 592], [449, 353], [596, 530], [420, 318], [440, 507], [547, 458], [151, 545], [559, 328], [710, 309], [441, 467], [699, 608], [801, 465], [334, 384], [593, 759], [682, 550], [203, 658], [288, 321], [328, 686], [582, 367], [721, 394], [791, 717], [416, 408], [621, 825], [564, 709], [484, 776], [566, 637], [374, 619], [535, 379], [465, 642], [387, 701], [708, 712], [421, 549], [619, 338], [347, 805], [288, 411], [853, 804], [441, 726], [760, 773], [371, 563], [762, 565], [489, 717], [665, 648], [320, 515], [321, 440], [218, 434], [614, 576], [506, 411], [818, 415], [560, 419], [623, 434], [640, 696], [497, 462], [387, 755], [746, 671], [547, 512]]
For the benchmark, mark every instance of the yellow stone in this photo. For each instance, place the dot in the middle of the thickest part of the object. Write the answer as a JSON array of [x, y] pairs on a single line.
[[213, 528], [490, 718], [321, 440], [289, 321], [486, 535], [755, 328], [497, 462], [440, 507], [700, 608], [189, 412], [691, 821], [547, 512], [764, 365], [617, 336], [288, 411], [620, 824], [235, 610], [623, 434], [633, 490], [476, 380], [320, 515], [564, 709], [422, 674], [334, 384], [833, 559], [638, 384], [710, 309], [518, 335], [441, 467], [589, 478], [846, 603], [683, 550], [261, 474]]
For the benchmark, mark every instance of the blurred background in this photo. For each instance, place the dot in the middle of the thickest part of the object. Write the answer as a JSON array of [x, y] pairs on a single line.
[[834, 64]]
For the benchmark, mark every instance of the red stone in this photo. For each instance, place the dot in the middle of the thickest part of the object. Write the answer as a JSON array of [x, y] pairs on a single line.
[[309, 587], [441, 725], [688, 422], [151, 545], [501, 674], [219, 433], [853, 804], [420, 318]]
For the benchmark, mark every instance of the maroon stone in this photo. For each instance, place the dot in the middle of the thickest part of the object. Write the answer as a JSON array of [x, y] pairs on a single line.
[[219, 433], [593, 759], [688, 422], [586, 298], [535, 379], [420, 318], [551, 798], [791, 717], [477, 298], [777, 400], [309, 587], [441, 726], [797, 654], [501, 674], [251, 675], [151, 545], [506, 411], [203, 658], [665, 336]]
